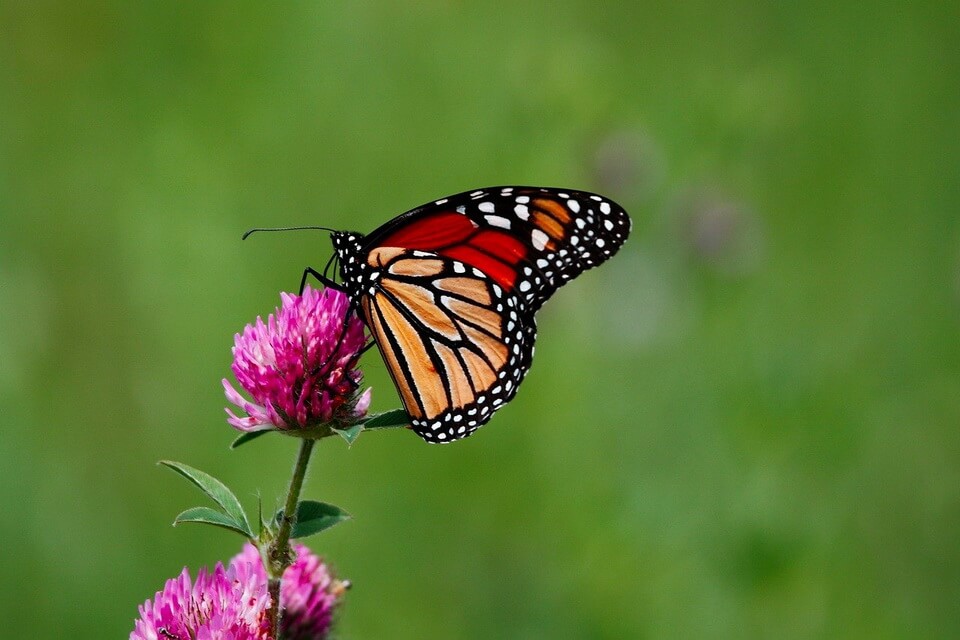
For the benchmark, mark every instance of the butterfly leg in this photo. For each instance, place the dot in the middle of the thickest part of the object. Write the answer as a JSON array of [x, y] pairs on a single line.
[[323, 368], [322, 279]]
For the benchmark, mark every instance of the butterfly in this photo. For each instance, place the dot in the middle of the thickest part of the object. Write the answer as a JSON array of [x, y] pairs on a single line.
[[449, 292]]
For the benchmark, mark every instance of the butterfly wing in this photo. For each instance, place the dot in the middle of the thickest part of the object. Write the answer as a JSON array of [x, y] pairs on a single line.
[[449, 291], [456, 343], [528, 239]]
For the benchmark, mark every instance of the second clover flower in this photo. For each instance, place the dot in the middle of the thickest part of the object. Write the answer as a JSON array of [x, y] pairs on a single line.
[[300, 366], [232, 602]]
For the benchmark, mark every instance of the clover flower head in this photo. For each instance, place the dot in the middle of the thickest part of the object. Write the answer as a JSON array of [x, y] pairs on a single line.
[[233, 603], [227, 603], [300, 365]]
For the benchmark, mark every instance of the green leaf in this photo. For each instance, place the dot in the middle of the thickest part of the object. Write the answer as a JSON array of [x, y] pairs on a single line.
[[350, 434], [314, 517], [217, 491], [206, 515], [388, 420], [244, 438]]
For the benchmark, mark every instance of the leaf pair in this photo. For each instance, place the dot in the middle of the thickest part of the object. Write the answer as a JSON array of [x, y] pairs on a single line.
[[231, 515], [311, 516]]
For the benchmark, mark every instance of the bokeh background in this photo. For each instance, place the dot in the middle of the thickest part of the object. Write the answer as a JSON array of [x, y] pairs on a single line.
[[745, 425]]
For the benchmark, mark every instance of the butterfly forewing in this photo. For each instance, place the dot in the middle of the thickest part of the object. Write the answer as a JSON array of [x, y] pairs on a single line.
[[450, 289], [530, 239]]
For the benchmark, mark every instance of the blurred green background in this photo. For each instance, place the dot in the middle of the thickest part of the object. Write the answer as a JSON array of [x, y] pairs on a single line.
[[745, 425]]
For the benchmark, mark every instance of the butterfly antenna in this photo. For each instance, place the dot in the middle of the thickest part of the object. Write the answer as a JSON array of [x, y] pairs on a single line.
[[310, 227]]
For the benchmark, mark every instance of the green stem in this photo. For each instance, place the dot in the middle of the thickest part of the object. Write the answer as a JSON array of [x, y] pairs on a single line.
[[279, 554]]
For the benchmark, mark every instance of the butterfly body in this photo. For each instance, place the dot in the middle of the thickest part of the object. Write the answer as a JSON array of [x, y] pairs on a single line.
[[450, 289]]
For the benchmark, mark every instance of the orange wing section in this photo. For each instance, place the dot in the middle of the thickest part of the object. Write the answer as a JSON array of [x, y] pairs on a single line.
[[441, 350], [390, 356]]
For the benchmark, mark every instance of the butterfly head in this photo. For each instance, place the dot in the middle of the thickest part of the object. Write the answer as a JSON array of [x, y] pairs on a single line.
[[345, 239]]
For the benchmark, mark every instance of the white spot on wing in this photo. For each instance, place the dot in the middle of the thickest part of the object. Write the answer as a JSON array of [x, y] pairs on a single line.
[[486, 207], [522, 211], [539, 239], [497, 221]]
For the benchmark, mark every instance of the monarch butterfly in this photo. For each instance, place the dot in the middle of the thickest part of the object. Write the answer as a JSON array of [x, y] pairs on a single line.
[[450, 290]]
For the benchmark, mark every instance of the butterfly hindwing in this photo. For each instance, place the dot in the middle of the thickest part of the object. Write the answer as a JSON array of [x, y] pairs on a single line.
[[455, 342]]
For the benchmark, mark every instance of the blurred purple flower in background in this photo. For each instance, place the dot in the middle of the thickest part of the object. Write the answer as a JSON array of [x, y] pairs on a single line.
[[719, 232], [299, 366], [628, 164]]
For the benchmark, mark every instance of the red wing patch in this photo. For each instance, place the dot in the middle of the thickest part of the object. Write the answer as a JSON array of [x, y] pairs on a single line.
[[504, 274], [432, 232], [456, 236], [502, 246]]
